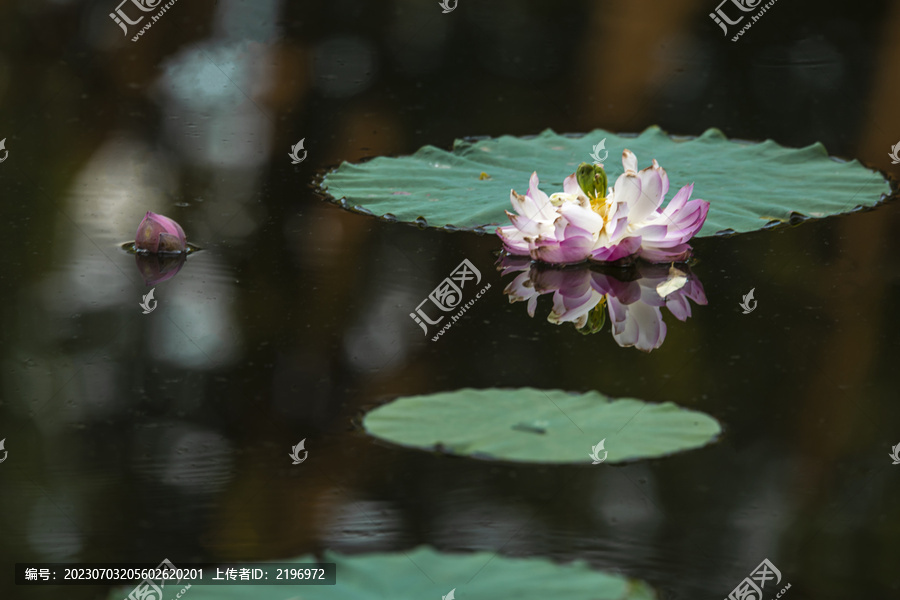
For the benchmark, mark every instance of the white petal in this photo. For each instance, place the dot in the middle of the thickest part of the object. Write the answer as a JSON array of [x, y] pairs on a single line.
[[628, 191], [629, 161], [581, 217], [673, 283], [651, 195]]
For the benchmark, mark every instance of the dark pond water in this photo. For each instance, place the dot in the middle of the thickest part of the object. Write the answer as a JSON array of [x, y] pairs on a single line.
[[132, 437]]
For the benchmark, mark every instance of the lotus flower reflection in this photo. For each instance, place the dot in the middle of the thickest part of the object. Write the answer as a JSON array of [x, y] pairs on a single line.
[[588, 221], [159, 235], [632, 297]]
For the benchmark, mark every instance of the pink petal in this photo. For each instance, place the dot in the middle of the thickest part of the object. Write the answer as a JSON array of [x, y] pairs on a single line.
[[513, 240], [540, 198], [682, 196], [158, 233], [663, 176], [526, 225], [616, 228], [685, 224], [625, 248], [570, 250], [652, 233], [570, 186], [529, 208], [677, 253]]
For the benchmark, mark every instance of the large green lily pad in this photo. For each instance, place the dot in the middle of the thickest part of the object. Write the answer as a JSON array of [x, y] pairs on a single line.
[[426, 573], [540, 426], [748, 185]]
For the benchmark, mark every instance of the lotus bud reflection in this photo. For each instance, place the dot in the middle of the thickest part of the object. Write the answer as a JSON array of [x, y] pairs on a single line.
[[632, 297], [159, 267], [158, 234]]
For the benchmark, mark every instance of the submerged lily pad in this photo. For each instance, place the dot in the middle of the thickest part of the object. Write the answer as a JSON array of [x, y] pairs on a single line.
[[748, 185], [541, 426], [426, 573]]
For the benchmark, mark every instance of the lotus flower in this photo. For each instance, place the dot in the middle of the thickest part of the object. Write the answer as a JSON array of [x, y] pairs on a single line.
[[158, 234], [587, 221], [632, 297]]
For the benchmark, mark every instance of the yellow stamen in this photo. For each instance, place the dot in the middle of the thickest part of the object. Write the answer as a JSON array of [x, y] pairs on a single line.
[[599, 206]]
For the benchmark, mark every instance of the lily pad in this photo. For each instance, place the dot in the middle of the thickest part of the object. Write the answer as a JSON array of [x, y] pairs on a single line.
[[540, 426], [748, 185], [426, 573]]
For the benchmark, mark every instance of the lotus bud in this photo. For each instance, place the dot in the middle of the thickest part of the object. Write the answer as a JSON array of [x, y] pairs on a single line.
[[592, 180], [600, 181], [584, 175], [158, 234]]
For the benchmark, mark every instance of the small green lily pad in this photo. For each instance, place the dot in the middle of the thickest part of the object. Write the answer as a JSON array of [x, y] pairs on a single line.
[[540, 426], [748, 185], [426, 573]]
